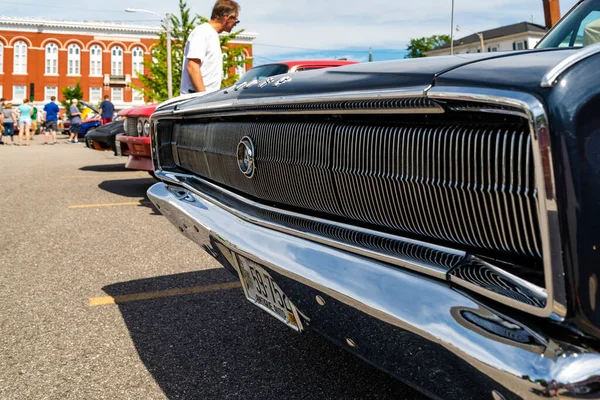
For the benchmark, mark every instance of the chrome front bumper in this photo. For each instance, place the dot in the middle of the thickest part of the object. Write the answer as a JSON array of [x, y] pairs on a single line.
[[423, 331]]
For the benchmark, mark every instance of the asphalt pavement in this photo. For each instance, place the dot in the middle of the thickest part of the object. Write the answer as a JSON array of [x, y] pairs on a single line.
[[102, 298]]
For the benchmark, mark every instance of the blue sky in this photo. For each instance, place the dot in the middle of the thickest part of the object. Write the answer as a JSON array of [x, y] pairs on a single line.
[[303, 29]]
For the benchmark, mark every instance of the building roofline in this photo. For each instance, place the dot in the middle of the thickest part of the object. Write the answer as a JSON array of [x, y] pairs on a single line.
[[502, 31], [115, 27]]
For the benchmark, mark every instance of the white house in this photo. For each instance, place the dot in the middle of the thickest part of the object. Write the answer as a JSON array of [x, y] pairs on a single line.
[[520, 36]]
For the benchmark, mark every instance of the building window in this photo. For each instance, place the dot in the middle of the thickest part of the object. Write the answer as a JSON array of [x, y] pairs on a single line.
[[137, 55], [240, 69], [96, 60], [51, 59], [50, 91], [520, 45], [137, 95], [95, 94], [19, 93], [117, 94], [74, 59], [1, 58], [20, 58], [492, 49], [116, 61]]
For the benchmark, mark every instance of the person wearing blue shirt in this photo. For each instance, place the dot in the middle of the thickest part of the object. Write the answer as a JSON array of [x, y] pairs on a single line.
[[51, 119], [26, 111], [107, 109]]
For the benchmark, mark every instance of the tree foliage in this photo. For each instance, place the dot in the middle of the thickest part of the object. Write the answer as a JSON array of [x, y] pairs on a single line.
[[154, 80], [418, 47], [70, 93]]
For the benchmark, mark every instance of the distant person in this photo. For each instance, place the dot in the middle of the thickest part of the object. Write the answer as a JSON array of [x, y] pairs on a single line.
[[202, 68], [10, 120], [25, 121], [107, 109], [2, 100], [51, 111], [34, 120], [75, 122]]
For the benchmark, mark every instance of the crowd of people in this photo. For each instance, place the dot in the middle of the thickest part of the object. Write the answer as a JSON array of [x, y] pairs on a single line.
[[26, 120]]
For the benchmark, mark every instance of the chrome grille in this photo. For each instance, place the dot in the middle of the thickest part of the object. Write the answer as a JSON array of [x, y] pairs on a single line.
[[131, 126], [471, 183]]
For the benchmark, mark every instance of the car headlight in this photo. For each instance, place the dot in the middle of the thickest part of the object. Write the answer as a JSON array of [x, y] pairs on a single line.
[[140, 127], [147, 128]]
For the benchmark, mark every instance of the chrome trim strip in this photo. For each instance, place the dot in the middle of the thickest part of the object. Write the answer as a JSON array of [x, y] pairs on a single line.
[[551, 77], [180, 180], [556, 308], [308, 99]]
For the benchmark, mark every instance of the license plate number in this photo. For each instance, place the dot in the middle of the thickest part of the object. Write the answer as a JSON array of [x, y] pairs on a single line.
[[263, 291]]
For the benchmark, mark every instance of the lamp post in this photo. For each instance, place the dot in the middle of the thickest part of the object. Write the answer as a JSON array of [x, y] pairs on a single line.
[[458, 28], [167, 18]]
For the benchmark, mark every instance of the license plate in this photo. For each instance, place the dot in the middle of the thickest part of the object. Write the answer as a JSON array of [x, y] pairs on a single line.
[[262, 290]]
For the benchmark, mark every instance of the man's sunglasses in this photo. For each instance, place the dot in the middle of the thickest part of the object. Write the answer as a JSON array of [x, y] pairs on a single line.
[[237, 21]]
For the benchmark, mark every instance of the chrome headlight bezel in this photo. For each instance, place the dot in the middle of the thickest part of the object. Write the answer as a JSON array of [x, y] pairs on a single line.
[[146, 128], [140, 127]]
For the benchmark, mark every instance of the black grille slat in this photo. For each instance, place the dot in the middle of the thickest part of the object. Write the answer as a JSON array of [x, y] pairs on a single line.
[[471, 184]]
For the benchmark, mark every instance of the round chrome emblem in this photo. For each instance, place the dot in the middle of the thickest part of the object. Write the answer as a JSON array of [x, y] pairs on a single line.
[[245, 156]]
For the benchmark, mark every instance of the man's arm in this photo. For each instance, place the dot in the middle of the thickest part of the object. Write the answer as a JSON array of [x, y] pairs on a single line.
[[193, 69]]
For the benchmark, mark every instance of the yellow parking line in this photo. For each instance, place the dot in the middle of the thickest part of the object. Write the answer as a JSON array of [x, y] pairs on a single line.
[[129, 203], [126, 298]]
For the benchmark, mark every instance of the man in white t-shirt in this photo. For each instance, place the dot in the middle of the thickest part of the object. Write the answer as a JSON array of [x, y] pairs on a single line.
[[202, 69]]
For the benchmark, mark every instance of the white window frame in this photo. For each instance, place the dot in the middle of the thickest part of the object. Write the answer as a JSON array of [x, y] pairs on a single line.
[[73, 60], [493, 49], [1, 58], [18, 99], [137, 61], [240, 69], [116, 60], [50, 91], [116, 99], [137, 96], [96, 60], [95, 100], [51, 56], [20, 58]]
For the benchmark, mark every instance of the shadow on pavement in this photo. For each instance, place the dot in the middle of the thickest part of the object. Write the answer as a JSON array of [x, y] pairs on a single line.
[[107, 168], [217, 345], [135, 188]]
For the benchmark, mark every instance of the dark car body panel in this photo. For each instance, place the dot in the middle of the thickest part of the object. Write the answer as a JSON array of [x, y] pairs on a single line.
[[105, 135]]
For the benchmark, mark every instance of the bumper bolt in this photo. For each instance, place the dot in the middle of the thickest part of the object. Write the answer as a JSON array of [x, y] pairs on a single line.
[[351, 343]]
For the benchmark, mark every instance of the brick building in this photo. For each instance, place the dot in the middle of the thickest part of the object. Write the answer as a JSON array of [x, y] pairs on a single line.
[[39, 57]]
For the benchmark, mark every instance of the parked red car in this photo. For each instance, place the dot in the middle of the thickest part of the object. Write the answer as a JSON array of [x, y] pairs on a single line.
[[285, 67], [135, 142]]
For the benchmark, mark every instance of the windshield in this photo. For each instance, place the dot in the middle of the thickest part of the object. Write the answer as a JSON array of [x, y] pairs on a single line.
[[263, 72], [581, 27]]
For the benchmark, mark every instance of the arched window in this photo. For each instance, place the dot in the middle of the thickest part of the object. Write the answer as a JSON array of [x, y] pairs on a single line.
[[51, 59], [116, 61], [1, 57], [240, 69], [20, 58], [96, 60], [137, 56], [74, 59]]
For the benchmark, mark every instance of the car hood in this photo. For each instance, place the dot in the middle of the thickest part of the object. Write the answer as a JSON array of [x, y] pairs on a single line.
[[517, 70]]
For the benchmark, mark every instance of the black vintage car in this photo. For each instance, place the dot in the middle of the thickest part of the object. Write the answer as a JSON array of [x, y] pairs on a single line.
[[439, 217]]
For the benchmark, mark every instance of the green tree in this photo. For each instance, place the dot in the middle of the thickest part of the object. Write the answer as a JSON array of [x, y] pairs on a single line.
[[70, 93], [154, 80], [418, 47]]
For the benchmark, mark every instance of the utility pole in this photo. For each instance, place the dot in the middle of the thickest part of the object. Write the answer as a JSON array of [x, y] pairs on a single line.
[[169, 64], [452, 30]]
